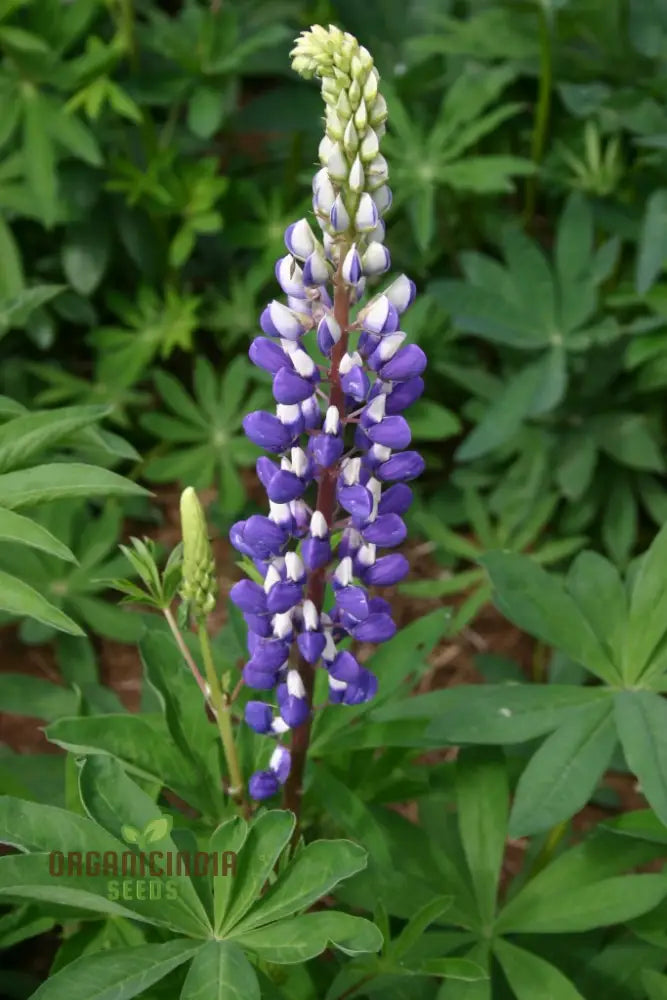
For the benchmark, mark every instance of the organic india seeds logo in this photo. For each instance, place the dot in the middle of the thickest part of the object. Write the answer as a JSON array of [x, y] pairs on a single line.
[[142, 872]]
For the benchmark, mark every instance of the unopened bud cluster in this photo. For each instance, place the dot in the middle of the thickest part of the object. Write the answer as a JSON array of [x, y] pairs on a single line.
[[361, 442], [199, 585]]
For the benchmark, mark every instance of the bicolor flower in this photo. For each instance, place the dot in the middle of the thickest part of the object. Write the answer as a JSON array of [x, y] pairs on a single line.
[[337, 482]]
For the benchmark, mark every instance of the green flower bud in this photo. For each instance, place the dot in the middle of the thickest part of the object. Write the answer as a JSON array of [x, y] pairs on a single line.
[[199, 584]]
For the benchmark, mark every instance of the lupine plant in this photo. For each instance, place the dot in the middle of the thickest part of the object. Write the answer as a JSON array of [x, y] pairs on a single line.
[[338, 428]]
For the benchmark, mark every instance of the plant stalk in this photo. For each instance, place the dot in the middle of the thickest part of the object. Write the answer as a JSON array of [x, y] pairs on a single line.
[[316, 586], [222, 709], [542, 114]]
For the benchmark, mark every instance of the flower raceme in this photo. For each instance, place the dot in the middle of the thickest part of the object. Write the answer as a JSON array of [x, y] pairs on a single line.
[[338, 428]]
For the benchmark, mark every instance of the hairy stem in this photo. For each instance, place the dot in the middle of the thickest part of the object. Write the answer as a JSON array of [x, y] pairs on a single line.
[[185, 653], [326, 504], [221, 704]]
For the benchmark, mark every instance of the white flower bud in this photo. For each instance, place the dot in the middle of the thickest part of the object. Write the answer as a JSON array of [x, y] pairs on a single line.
[[366, 216], [331, 423], [272, 577], [376, 259], [356, 177], [350, 138], [343, 573], [371, 87], [360, 118], [337, 165], [378, 111], [295, 684], [318, 525]]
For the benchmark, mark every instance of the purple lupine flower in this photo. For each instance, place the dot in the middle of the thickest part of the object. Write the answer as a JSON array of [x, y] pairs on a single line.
[[339, 429]]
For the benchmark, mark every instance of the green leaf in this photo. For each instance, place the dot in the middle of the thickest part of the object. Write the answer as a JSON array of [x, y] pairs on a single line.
[[320, 866], [489, 174], [84, 255], [531, 977], [21, 600], [185, 711], [652, 251], [641, 718], [141, 742], [655, 984], [56, 481], [538, 603], [24, 437], [492, 713], [642, 824], [229, 836], [562, 775], [68, 131], [267, 838], [114, 801], [532, 278], [17, 311], [619, 522], [12, 281], [39, 156], [648, 609], [597, 588], [480, 955], [221, 971], [21, 694], [574, 239], [117, 974], [583, 908], [630, 440], [430, 421], [459, 969], [345, 806], [504, 416], [488, 315], [22, 530], [206, 111], [416, 926], [304, 937], [482, 797]]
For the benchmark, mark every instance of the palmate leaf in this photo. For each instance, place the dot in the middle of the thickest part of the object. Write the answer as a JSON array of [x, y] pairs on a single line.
[[204, 436], [118, 974]]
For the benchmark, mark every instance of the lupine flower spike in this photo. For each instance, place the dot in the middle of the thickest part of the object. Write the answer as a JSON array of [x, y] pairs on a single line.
[[341, 439]]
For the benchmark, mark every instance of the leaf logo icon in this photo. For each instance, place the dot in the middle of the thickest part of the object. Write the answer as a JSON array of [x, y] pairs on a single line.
[[155, 830]]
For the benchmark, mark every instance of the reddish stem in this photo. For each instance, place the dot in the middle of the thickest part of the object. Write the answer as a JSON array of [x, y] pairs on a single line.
[[326, 504]]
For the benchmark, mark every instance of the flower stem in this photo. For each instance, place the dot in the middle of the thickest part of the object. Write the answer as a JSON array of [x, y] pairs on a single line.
[[185, 653], [221, 705], [326, 505], [542, 114]]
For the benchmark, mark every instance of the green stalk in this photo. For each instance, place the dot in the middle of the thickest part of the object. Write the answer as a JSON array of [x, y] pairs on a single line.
[[542, 113], [554, 838], [221, 704]]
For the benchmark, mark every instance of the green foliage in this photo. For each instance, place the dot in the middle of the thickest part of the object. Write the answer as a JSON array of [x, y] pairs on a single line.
[[203, 442]]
